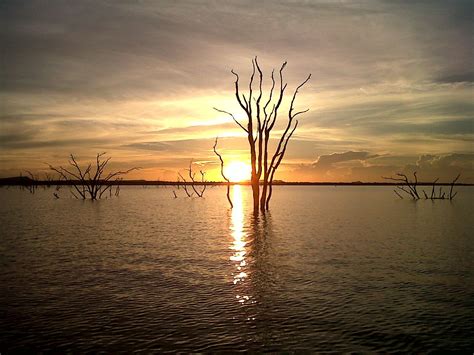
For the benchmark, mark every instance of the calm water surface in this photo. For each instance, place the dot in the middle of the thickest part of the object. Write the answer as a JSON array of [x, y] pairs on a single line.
[[328, 269]]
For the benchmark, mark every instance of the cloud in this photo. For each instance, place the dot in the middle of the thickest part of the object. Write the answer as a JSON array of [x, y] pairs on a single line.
[[466, 77], [327, 161], [368, 167], [463, 161], [135, 77], [116, 50], [333, 167]]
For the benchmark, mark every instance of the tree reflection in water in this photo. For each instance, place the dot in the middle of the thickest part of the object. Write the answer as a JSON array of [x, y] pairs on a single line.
[[254, 273]]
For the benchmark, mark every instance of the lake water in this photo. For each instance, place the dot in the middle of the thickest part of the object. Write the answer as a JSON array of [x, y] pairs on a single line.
[[328, 269]]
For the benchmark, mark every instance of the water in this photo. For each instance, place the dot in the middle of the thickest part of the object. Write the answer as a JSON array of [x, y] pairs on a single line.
[[329, 269]]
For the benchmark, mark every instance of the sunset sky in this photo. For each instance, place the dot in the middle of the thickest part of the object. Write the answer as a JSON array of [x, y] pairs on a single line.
[[391, 87]]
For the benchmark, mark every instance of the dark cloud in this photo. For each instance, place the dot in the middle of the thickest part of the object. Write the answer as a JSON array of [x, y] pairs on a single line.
[[449, 161], [12, 139], [398, 115], [200, 148], [220, 127], [154, 146], [22, 143], [112, 49], [467, 77]]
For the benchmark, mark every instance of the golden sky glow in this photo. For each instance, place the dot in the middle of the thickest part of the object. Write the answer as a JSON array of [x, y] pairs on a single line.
[[391, 88]]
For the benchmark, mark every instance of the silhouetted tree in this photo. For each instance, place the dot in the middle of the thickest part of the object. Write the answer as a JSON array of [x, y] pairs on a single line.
[[410, 188], [31, 183], [261, 119], [193, 183], [91, 182], [223, 174]]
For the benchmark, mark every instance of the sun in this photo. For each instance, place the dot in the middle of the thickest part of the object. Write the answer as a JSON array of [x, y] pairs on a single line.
[[237, 171]]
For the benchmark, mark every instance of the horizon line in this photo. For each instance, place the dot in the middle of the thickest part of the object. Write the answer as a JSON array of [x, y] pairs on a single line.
[[25, 180]]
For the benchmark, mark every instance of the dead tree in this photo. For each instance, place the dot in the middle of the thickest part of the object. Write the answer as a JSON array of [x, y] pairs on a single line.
[[409, 188], [185, 185], [223, 175], [261, 119], [32, 183], [441, 194], [91, 182], [193, 183], [451, 194], [48, 179]]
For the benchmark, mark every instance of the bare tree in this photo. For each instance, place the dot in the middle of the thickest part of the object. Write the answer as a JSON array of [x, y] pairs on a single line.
[[184, 184], [223, 175], [261, 119], [91, 182], [30, 183], [48, 179], [33, 181], [451, 194], [193, 183], [409, 187]]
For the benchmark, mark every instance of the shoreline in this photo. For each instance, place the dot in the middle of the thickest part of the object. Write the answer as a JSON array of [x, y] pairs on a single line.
[[26, 181]]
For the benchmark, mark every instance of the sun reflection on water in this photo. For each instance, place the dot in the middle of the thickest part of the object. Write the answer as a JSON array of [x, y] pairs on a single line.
[[239, 242]]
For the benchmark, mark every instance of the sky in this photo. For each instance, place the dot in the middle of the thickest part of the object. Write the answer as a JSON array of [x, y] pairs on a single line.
[[391, 88]]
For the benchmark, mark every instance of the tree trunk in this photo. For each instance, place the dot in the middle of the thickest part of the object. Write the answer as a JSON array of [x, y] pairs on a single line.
[[263, 198], [255, 193]]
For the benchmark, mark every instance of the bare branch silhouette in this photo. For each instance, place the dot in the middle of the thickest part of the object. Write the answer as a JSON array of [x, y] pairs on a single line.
[[222, 174], [451, 195], [233, 117], [193, 183], [90, 186], [185, 186], [410, 188]]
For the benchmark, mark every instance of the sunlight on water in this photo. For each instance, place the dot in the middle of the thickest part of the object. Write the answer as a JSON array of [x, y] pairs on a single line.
[[239, 240]]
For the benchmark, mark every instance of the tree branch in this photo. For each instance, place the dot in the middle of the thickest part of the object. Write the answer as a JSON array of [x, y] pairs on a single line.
[[233, 117], [222, 173]]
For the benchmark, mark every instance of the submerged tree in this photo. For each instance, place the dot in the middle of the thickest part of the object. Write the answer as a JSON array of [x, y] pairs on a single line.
[[193, 182], [261, 119], [31, 181], [223, 174], [92, 182], [409, 188]]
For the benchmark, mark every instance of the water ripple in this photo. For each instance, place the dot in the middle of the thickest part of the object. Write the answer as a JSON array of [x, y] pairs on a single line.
[[149, 273]]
